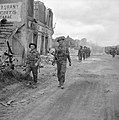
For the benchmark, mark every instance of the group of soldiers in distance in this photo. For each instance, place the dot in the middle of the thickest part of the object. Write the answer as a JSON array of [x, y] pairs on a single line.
[[112, 51], [83, 53]]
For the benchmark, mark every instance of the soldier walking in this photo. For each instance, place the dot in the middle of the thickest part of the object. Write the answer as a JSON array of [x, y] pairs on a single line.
[[32, 61], [84, 52], [80, 54], [89, 52], [113, 52], [61, 55]]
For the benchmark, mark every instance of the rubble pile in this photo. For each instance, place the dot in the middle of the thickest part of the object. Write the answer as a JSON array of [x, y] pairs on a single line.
[[9, 76]]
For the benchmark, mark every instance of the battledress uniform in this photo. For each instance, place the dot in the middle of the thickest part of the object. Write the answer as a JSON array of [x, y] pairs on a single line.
[[61, 56], [80, 54], [33, 57]]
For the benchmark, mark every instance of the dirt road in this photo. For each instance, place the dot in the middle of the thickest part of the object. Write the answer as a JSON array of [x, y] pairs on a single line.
[[91, 93]]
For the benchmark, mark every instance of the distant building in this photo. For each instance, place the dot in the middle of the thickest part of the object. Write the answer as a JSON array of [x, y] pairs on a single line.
[[37, 21]]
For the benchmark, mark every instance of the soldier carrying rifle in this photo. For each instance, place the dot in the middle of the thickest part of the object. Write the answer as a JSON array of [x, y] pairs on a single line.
[[61, 56]]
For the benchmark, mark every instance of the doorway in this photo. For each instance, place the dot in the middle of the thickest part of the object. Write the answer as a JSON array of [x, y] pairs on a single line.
[[42, 45]]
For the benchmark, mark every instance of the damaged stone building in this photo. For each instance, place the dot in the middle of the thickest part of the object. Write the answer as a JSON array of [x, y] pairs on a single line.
[[35, 22]]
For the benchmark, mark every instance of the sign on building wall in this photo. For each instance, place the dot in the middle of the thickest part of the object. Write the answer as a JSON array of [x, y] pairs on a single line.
[[11, 11]]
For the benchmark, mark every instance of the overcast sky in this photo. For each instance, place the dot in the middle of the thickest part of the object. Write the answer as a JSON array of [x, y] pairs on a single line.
[[96, 20]]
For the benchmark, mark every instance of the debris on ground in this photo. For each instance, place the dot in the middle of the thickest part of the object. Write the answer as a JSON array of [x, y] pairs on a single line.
[[6, 104], [8, 77]]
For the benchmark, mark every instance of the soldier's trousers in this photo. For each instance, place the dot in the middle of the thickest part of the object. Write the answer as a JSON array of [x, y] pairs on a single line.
[[34, 70], [61, 70], [84, 56], [80, 57]]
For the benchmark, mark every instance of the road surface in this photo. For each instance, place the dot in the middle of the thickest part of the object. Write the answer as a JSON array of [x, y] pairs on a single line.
[[91, 93]]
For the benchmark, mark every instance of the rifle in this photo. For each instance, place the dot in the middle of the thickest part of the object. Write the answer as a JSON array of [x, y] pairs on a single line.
[[9, 49], [55, 57]]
